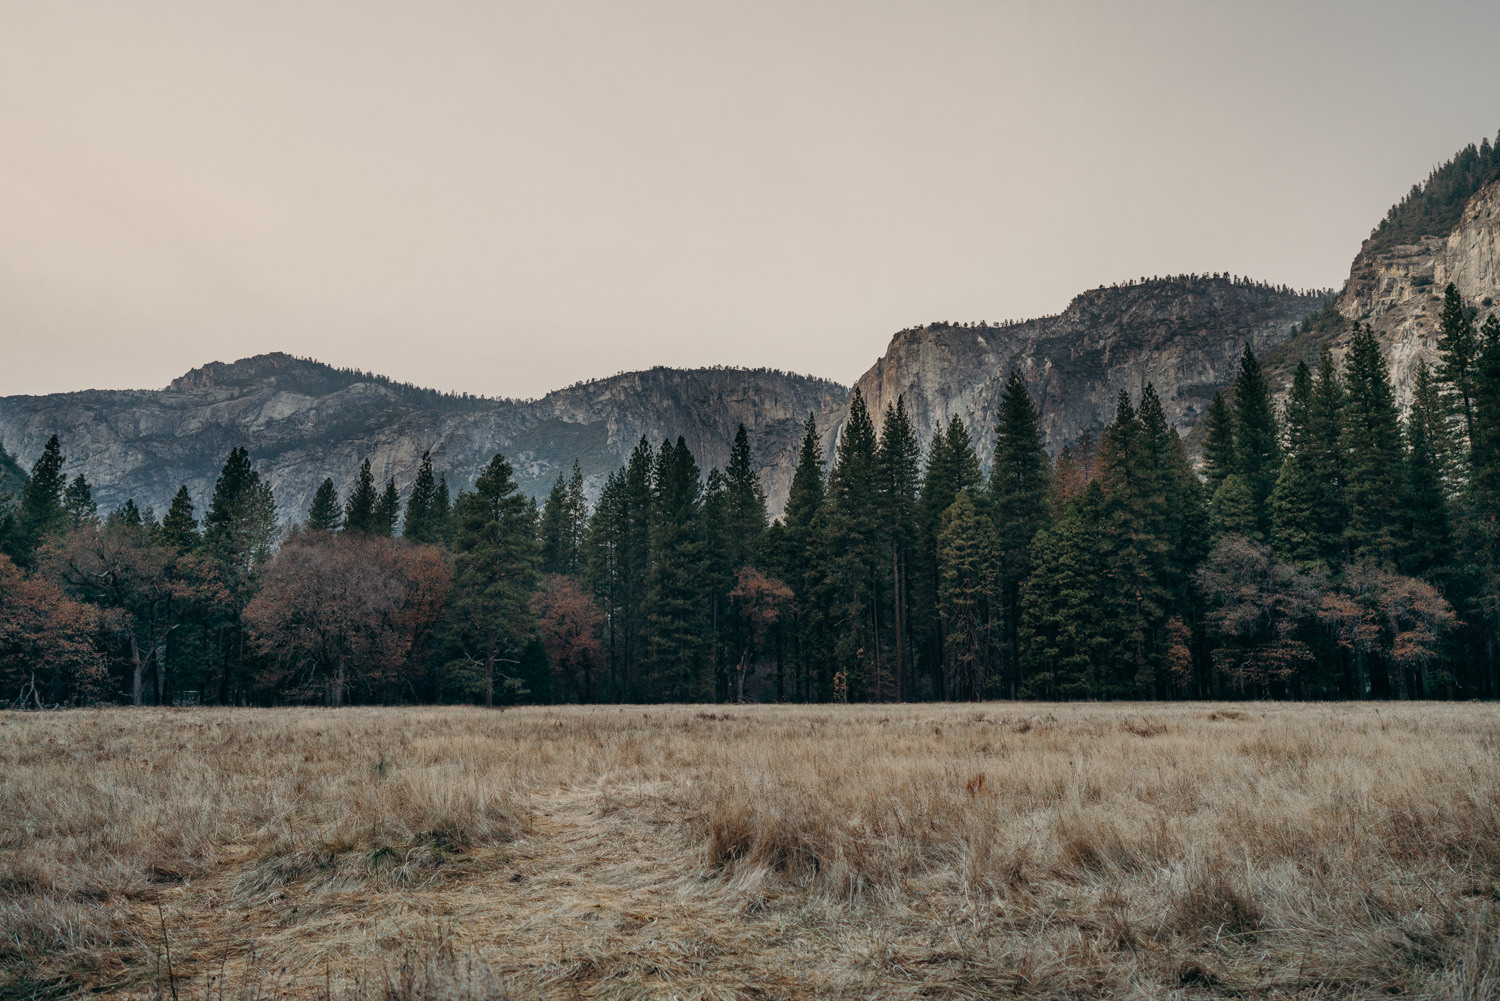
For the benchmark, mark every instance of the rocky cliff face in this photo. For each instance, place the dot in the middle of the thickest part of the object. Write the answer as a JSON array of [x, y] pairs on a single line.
[[1184, 335], [303, 421], [1399, 290]]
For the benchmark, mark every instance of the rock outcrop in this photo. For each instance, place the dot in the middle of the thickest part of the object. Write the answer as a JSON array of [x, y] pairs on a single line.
[[1184, 335], [1399, 290], [302, 421]]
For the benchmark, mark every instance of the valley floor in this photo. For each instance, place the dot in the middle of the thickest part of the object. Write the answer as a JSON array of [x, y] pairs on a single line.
[[1003, 849]]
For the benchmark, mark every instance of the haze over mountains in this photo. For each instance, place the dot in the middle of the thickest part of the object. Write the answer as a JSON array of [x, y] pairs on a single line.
[[303, 420]]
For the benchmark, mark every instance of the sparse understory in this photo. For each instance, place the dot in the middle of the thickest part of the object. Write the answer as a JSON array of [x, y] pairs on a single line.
[[832, 851]]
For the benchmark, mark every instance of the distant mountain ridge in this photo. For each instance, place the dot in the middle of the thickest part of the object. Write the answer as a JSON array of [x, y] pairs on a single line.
[[303, 420], [1183, 334]]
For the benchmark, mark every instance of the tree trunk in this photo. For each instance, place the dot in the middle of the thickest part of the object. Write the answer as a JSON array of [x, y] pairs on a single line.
[[137, 669], [161, 673], [489, 666]]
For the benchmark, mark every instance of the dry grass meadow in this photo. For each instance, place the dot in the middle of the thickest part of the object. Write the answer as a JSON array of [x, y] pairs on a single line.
[[759, 852]]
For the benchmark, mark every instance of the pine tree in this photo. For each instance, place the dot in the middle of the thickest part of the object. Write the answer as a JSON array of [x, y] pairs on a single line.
[[179, 529], [1325, 459], [676, 619], [1134, 545], [966, 556], [553, 534], [799, 560], [1257, 450], [898, 461], [388, 511], [360, 510], [441, 518], [324, 514], [1065, 638], [126, 517], [1458, 346], [719, 560], [746, 503], [1427, 542], [78, 502], [494, 573], [1294, 513], [1218, 443], [1373, 454], [1019, 488], [952, 467], [40, 513], [855, 539], [421, 523], [575, 521], [240, 525], [1232, 509], [239, 530]]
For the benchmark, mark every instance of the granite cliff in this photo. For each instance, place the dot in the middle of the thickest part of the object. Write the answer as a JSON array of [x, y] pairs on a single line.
[[1183, 334], [302, 421]]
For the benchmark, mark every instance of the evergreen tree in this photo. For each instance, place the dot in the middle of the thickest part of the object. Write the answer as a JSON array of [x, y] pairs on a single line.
[[441, 517], [554, 536], [360, 510], [898, 461], [239, 530], [859, 550], [746, 503], [40, 513], [799, 559], [1019, 488], [719, 561], [1458, 346], [240, 525], [1183, 519], [1294, 513], [1298, 416], [1134, 546], [388, 511], [1325, 459], [324, 514], [1218, 443], [1257, 450], [1374, 463], [179, 529], [494, 573], [1298, 500], [1232, 509], [576, 521], [676, 640], [966, 555], [952, 467], [1427, 536], [1065, 639], [422, 521], [126, 517], [78, 502]]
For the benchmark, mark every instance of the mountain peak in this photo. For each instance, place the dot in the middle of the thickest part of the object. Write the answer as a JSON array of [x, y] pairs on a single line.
[[248, 371]]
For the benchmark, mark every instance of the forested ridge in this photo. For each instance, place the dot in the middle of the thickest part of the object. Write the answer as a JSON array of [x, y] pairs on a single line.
[[1433, 207], [1330, 548]]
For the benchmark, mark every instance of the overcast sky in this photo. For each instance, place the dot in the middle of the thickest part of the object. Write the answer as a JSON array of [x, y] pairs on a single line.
[[504, 198]]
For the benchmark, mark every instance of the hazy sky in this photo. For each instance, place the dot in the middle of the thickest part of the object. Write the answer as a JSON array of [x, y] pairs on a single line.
[[504, 198]]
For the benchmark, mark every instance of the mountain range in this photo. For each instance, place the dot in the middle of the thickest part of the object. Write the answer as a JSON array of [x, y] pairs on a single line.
[[303, 420]]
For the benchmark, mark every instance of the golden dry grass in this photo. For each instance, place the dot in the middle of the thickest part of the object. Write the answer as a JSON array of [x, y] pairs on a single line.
[[830, 852]]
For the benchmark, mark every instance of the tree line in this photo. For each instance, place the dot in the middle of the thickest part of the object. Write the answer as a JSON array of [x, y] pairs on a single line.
[[1331, 547]]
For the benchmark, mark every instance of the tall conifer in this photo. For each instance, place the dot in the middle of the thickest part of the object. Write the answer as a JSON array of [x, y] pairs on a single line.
[[324, 514], [1019, 488]]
